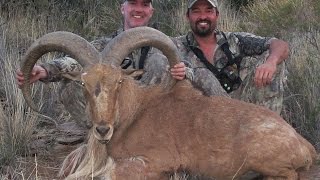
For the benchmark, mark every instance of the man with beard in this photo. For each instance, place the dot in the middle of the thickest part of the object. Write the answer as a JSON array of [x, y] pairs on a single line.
[[248, 67]]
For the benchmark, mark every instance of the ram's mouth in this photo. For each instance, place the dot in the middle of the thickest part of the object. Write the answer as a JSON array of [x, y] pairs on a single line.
[[103, 133], [104, 141]]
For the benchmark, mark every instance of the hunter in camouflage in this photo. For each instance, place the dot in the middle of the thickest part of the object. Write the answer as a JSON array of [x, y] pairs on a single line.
[[254, 50], [254, 53]]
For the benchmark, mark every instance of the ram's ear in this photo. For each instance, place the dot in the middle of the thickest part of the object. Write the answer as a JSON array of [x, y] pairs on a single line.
[[74, 76]]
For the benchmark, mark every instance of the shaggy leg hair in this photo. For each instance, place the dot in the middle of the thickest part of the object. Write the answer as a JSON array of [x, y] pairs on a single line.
[[72, 161], [91, 161], [88, 161]]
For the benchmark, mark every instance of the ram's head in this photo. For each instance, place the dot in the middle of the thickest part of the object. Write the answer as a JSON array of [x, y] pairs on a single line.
[[102, 75]]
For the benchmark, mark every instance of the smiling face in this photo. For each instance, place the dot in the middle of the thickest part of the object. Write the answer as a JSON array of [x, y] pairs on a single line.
[[202, 17], [136, 13]]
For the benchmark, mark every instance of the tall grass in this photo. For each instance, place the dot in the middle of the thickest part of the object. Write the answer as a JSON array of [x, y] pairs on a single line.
[[302, 101], [278, 17], [228, 18], [17, 121]]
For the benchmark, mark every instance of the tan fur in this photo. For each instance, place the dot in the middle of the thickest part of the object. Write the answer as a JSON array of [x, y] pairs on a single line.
[[213, 136]]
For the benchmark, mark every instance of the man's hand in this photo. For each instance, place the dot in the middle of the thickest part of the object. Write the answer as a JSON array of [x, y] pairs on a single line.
[[37, 73], [264, 74], [178, 71], [279, 51]]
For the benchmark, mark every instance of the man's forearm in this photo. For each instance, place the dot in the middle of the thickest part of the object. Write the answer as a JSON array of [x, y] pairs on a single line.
[[57, 68], [279, 51]]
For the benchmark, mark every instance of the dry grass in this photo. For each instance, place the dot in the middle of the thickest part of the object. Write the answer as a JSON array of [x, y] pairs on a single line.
[[228, 18], [302, 103], [281, 17], [21, 26], [18, 121]]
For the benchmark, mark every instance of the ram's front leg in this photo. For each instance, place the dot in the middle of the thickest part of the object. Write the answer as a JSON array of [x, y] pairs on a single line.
[[288, 175], [135, 169]]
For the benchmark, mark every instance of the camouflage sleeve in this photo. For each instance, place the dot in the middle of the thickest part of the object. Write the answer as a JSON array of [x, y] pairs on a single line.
[[181, 48], [250, 44], [57, 68], [189, 73], [101, 43]]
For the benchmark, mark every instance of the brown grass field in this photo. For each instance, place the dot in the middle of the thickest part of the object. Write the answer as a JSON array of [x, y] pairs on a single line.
[[33, 146]]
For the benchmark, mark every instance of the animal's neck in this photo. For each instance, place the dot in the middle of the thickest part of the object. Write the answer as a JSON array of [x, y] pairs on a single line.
[[132, 99]]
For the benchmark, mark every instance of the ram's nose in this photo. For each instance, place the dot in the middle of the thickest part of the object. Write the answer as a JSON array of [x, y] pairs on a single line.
[[102, 130]]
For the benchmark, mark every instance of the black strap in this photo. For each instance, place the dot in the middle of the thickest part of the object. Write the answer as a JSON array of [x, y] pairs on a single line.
[[125, 66], [146, 49], [203, 59], [226, 49], [228, 81], [144, 52], [143, 57]]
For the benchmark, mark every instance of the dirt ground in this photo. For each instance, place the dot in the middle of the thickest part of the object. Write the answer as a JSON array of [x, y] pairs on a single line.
[[52, 144]]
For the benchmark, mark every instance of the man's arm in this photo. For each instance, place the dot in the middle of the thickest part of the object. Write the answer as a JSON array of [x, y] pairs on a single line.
[[52, 71], [278, 52], [252, 45], [37, 73], [60, 68], [66, 67]]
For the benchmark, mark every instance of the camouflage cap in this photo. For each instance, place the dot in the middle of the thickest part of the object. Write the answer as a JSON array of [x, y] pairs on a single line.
[[214, 3]]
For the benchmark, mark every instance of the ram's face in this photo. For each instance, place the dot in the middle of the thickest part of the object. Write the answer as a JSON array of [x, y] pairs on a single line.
[[102, 84]]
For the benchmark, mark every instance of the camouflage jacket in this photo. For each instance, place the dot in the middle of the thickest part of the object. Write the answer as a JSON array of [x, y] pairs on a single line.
[[241, 45], [58, 68]]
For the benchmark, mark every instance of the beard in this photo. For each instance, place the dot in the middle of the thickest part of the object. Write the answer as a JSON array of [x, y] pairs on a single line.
[[203, 31]]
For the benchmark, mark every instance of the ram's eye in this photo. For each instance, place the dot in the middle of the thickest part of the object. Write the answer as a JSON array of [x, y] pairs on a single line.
[[82, 83], [120, 81]]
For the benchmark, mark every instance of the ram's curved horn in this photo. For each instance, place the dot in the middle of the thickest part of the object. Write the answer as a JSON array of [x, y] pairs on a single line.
[[69, 43], [134, 38]]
